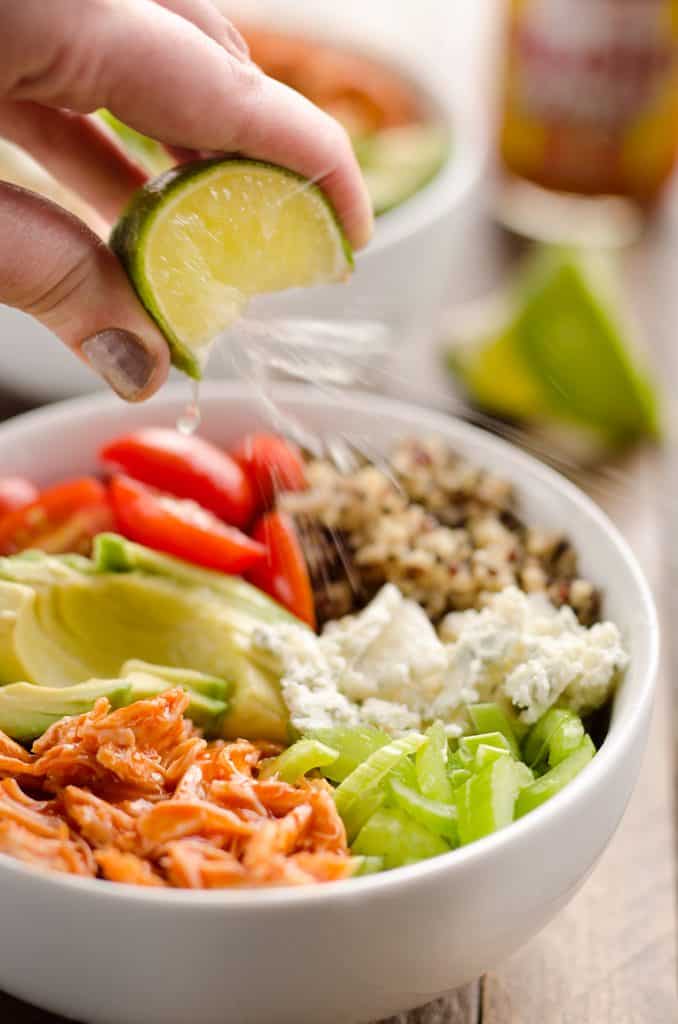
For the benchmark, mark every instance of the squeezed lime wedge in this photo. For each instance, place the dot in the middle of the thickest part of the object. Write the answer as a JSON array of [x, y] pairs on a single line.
[[202, 239], [558, 347], [147, 151]]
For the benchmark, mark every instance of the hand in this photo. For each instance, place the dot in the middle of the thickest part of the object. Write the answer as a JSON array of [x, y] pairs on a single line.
[[173, 69]]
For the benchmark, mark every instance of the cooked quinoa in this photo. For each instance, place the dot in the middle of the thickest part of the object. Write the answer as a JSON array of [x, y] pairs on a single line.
[[445, 531]]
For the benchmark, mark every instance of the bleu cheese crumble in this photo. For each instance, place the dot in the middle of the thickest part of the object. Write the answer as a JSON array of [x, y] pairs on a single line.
[[386, 665], [522, 648]]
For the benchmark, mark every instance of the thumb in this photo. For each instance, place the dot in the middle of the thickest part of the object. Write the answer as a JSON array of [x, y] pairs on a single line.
[[57, 270]]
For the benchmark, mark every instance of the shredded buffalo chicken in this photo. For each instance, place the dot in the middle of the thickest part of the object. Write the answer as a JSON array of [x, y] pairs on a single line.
[[137, 795]]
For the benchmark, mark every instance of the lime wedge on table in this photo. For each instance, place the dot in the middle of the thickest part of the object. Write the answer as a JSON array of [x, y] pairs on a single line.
[[397, 162], [558, 347], [203, 238]]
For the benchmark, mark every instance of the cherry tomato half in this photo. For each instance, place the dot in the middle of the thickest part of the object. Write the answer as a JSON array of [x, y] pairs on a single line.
[[15, 492], [283, 573], [272, 465], [187, 467], [64, 517], [181, 528]]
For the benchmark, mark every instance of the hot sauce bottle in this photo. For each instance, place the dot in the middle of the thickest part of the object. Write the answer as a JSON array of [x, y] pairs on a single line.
[[589, 96]]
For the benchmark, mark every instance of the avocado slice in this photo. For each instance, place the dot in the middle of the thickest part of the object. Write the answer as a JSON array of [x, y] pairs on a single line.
[[207, 712], [189, 679], [113, 553], [26, 709], [60, 625]]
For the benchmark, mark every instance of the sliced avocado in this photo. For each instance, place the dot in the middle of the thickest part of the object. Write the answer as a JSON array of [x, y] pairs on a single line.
[[59, 626], [189, 679], [27, 710], [113, 553], [206, 712]]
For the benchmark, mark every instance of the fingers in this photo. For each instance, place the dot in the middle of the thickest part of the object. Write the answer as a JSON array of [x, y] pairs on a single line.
[[280, 125], [77, 151], [53, 267], [167, 78], [210, 20]]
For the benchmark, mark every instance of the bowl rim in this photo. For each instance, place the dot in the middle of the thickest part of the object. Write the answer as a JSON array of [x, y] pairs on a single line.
[[460, 174], [619, 738]]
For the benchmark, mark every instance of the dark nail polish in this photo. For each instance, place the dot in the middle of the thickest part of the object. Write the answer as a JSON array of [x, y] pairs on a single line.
[[122, 359]]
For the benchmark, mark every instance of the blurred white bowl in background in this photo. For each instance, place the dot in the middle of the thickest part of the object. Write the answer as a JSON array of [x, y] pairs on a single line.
[[403, 276]]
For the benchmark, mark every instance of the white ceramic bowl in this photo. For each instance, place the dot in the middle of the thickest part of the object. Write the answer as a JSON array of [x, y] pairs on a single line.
[[401, 279], [348, 951]]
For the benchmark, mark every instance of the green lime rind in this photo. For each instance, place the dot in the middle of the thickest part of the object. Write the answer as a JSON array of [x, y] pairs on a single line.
[[555, 348], [127, 241], [132, 229], [572, 338], [151, 153]]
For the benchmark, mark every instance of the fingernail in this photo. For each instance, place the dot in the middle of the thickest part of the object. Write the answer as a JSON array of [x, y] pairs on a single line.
[[122, 359]]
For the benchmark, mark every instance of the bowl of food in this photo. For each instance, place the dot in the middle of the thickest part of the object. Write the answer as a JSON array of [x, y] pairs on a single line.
[[291, 738], [421, 150]]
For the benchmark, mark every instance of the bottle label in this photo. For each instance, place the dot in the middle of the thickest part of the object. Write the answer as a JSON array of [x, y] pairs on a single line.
[[591, 93]]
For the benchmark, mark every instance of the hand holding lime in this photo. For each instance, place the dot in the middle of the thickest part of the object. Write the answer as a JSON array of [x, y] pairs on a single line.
[[203, 238]]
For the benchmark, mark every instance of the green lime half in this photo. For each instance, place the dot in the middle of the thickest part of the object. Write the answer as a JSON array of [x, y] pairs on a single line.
[[202, 239], [398, 162], [558, 348]]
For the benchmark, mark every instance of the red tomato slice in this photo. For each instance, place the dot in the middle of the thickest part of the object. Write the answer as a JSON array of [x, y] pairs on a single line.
[[272, 465], [187, 467], [181, 528], [64, 517], [15, 492], [283, 574]]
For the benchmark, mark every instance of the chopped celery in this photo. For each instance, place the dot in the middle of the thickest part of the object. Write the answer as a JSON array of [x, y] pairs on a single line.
[[397, 838], [367, 865], [486, 754], [492, 718], [434, 815], [524, 775], [297, 760], [555, 779], [406, 772], [376, 768], [431, 765], [468, 745], [454, 761], [565, 740], [362, 809], [537, 743], [486, 801], [354, 746], [458, 777]]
